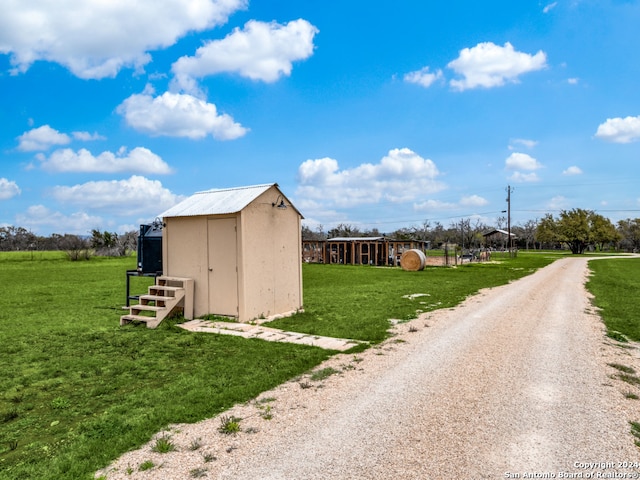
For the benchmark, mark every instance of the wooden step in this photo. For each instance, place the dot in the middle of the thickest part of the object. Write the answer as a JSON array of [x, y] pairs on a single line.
[[167, 295], [166, 288], [163, 280], [125, 319], [156, 289], [148, 308], [155, 298]]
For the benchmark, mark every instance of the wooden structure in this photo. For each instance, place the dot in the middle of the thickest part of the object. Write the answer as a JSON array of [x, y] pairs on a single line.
[[359, 250], [497, 239], [167, 295], [241, 246]]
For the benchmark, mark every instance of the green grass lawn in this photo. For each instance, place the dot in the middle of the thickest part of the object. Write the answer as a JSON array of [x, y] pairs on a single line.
[[77, 390], [357, 302], [615, 285]]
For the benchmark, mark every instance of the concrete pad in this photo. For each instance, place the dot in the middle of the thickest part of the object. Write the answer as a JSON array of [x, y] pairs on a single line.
[[268, 334]]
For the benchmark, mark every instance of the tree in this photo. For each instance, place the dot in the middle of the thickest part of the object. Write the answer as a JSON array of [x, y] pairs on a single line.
[[478, 228], [318, 234], [306, 233], [103, 240], [421, 232], [577, 228], [77, 248], [629, 231], [404, 233], [111, 244], [602, 231], [414, 232], [374, 232], [17, 238], [547, 230], [127, 242], [527, 232], [468, 235], [424, 231], [462, 232], [438, 235], [344, 230]]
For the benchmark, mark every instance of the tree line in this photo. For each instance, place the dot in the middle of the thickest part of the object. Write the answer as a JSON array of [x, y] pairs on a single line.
[[578, 230], [77, 247]]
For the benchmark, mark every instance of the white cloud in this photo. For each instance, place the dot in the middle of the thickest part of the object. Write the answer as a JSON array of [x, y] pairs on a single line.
[[8, 189], [522, 142], [401, 176], [549, 7], [521, 161], [38, 217], [573, 81], [178, 115], [524, 177], [473, 201], [557, 203], [573, 170], [87, 137], [41, 138], [316, 215], [261, 51], [423, 77], [45, 137], [437, 205], [434, 205], [134, 196], [620, 130], [140, 160], [95, 38], [489, 65]]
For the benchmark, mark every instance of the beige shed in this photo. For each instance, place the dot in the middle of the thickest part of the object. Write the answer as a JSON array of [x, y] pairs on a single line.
[[242, 248]]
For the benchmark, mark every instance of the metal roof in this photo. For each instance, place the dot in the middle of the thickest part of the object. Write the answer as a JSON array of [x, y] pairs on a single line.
[[217, 202], [498, 230], [354, 239], [370, 239]]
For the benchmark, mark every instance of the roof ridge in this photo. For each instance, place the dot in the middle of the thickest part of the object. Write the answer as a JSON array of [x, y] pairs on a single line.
[[246, 187]]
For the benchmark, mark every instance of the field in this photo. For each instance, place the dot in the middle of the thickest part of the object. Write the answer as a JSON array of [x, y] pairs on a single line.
[[357, 302], [77, 389], [615, 286]]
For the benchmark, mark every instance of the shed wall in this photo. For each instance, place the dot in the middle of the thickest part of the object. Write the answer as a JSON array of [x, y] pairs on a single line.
[[271, 248]]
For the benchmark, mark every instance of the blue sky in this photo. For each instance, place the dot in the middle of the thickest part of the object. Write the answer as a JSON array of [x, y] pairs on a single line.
[[376, 114]]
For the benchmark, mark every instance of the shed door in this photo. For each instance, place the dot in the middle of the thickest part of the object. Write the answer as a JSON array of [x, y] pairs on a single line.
[[223, 271]]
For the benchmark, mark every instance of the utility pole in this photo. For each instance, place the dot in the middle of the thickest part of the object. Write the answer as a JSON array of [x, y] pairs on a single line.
[[509, 190]]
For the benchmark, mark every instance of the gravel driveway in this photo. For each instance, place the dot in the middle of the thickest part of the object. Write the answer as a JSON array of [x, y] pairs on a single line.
[[513, 383]]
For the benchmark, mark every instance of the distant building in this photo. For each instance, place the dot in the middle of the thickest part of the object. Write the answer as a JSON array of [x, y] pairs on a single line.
[[497, 239], [359, 250]]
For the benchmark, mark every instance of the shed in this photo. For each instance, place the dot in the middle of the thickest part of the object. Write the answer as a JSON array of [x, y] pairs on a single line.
[[497, 237], [242, 248]]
